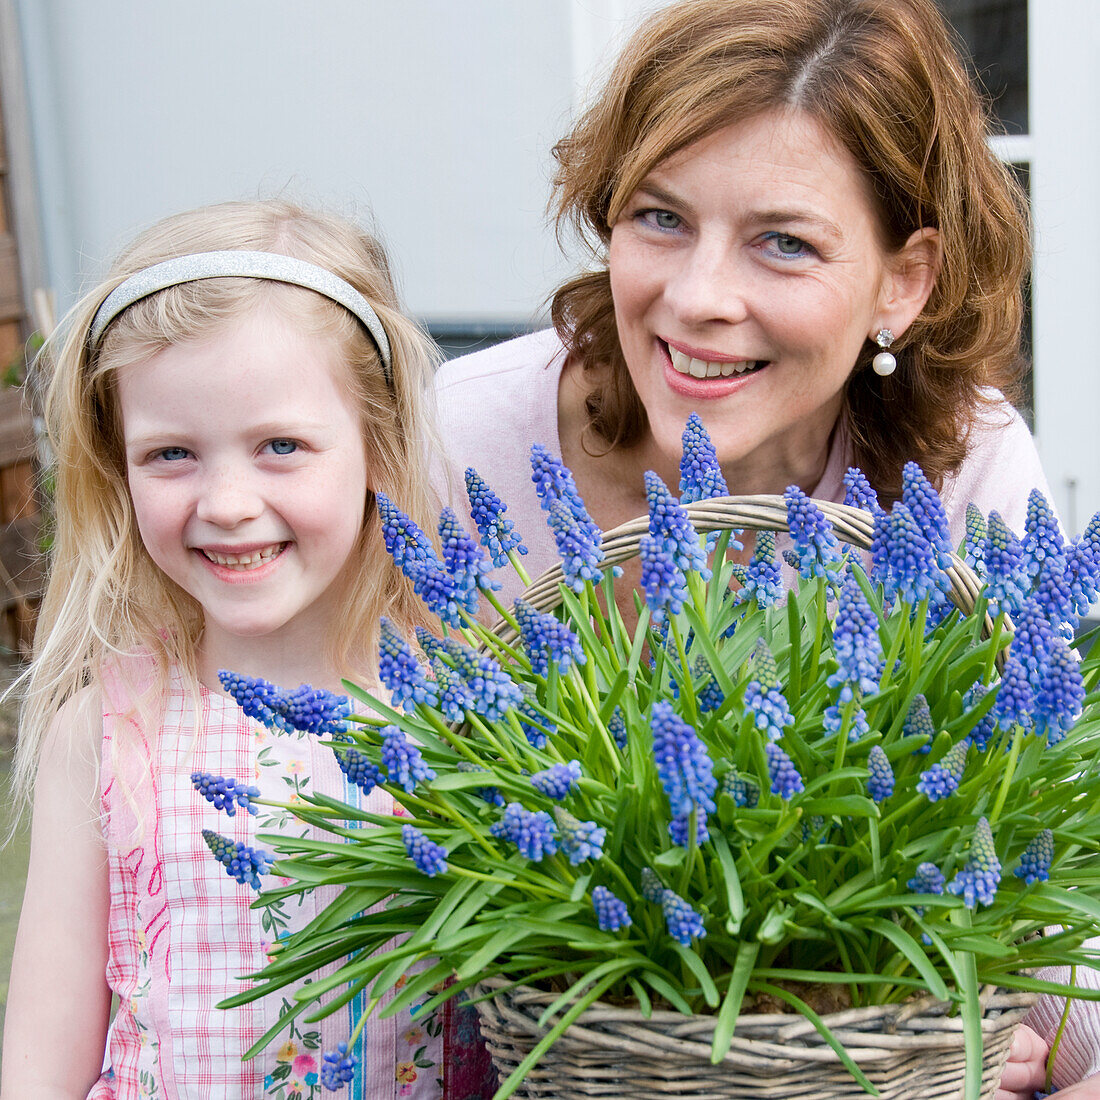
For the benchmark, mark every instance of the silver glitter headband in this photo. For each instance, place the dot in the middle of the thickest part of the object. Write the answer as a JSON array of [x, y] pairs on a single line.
[[248, 265]]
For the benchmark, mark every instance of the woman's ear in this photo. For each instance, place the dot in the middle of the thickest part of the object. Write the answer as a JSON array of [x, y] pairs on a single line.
[[907, 284]]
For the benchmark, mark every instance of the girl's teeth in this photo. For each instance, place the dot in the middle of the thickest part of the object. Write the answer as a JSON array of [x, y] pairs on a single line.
[[700, 368], [245, 561]]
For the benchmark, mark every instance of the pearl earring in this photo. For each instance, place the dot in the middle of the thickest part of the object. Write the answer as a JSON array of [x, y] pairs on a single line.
[[884, 363]]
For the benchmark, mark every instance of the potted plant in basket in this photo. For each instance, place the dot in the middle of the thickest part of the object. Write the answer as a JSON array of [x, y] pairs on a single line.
[[834, 818]]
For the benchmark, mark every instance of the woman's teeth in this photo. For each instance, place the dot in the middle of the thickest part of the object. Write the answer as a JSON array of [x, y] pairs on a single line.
[[246, 561], [700, 368]]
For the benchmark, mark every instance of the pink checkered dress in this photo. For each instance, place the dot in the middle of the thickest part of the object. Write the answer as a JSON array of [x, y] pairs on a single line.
[[181, 930]]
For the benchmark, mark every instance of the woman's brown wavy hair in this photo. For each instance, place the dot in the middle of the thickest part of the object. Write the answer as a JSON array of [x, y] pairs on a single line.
[[885, 77]]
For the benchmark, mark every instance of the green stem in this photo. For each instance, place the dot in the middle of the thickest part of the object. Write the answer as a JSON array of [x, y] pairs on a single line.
[[517, 565], [1047, 1087], [1009, 772]]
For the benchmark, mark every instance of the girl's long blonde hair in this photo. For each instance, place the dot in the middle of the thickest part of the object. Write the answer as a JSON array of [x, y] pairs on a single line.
[[105, 597]]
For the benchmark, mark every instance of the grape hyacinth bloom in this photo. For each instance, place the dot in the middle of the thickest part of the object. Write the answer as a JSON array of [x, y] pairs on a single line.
[[684, 767], [650, 885], [1014, 702], [1053, 599], [764, 699], [762, 580], [743, 789], [700, 475], [404, 765], [978, 881], [926, 508], [880, 780], [710, 696], [242, 863], [401, 672], [1006, 577], [784, 776], [664, 585], [611, 911], [858, 492], [579, 840], [356, 765], [1042, 544], [974, 541], [429, 857], [405, 541], [929, 879], [616, 726], [225, 794], [533, 723], [943, 778], [1082, 576], [918, 723], [554, 482], [578, 548], [833, 718], [558, 780], [486, 794], [1060, 697], [533, 832], [670, 525], [684, 923], [903, 558], [679, 829], [986, 726], [338, 1067], [815, 545], [454, 698], [490, 691], [1036, 860], [856, 642], [547, 639], [464, 560], [498, 535], [305, 708]]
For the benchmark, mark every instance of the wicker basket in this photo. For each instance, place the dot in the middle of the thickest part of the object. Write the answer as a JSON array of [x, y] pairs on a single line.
[[912, 1051]]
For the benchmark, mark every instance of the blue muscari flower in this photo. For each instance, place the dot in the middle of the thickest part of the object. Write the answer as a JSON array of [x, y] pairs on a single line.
[[616, 726], [1053, 598], [918, 723], [1014, 700], [700, 475], [1043, 545], [926, 508], [815, 545], [974, 541], [429, 857], [650, 885], [225, 794], [670, 525], [401, 672], [241, 862], [438, 590], [783, 774], [533, 722], [1060, 697], [579, 550], [486, 794], [762, 580], [355, 764], [580, 840], [611, 911], [405, 542], [404, 765], [903, 558], [764, 698], [554, 481], [880, 780], [833, 718], [1006, 578], [547, 639], [1034, 641], [337, 1067], [664, 585], [943, 778], [533, 832], [744, 790], [489, 689], [984, 730], [1082, 576], [685, 769], [557, 780], [304, 708], [498, 535], [858, 492], [679, 829], [1035, 862], [684, 923], [929, 879], [710, 696], [978, 881], [856, 644], [454, 696], [464, 560]]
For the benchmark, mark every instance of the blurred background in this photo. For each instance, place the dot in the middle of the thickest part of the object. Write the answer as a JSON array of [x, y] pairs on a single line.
[[433, 121]]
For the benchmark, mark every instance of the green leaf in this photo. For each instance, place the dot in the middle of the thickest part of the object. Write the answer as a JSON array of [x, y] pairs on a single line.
[[747, 954], [913, 952], [734, 897], [696, 966]]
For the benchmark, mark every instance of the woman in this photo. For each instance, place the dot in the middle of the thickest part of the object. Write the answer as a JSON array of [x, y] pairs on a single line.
[[775, 192]]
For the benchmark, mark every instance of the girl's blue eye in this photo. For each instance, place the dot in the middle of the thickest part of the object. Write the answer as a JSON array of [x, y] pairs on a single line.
[[173, 454], [284, 446]]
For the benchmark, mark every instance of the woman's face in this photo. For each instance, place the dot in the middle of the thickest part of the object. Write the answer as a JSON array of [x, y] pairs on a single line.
[[747, 271]]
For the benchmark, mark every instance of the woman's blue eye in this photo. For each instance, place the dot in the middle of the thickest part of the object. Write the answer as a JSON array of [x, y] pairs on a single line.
[[661, 219], [173, 454], [284, 446], [786, 245]]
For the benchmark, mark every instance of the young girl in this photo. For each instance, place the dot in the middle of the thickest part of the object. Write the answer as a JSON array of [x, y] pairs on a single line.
[[222, 410]]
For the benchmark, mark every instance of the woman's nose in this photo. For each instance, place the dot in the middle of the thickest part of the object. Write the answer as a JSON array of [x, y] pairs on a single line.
[[708, 284], [229, 497]]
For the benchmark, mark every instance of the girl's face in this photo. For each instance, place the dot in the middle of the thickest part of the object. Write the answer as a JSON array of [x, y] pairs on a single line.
[[747, 271], [246, 466]]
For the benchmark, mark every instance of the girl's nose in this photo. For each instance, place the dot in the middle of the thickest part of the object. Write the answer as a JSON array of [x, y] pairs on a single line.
[[229, 497], [708, 284]]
